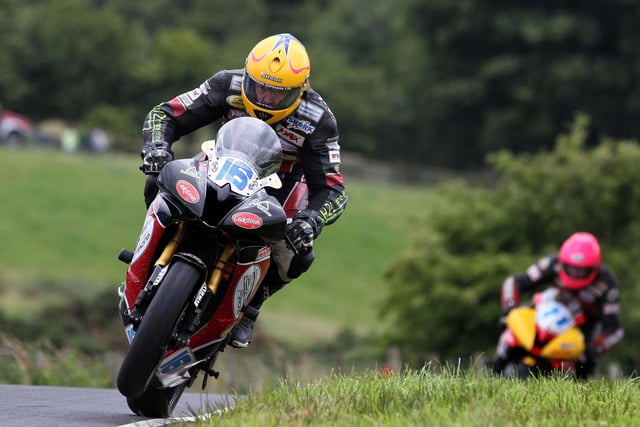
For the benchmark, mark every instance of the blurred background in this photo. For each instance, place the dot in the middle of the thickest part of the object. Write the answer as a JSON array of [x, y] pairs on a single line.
[[476, 137]]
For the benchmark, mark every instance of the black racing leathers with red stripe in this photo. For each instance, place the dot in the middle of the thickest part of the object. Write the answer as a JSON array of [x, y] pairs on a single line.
[[309, 138]]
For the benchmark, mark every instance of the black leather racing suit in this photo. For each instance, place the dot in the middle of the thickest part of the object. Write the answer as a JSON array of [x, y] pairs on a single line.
[[310, 172], [600, 303]]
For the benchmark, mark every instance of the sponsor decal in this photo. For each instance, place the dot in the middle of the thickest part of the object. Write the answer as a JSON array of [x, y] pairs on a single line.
[[233, 114], [298, 124], [176, 360], [263, 253], [290, 136], [201, 294], [334, 156], [332, 146], [131, 333], [235, 101], [247, 220], [144, 238], [236, 83], [271, 78], [187, 98], [577, 258], [244, 287], [192, 172], [312, 111], [262, 206], [159, 277], [611, 308], [187, 191]]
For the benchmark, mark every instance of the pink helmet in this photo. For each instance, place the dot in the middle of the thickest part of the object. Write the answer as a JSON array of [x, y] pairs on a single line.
[[579, 260]]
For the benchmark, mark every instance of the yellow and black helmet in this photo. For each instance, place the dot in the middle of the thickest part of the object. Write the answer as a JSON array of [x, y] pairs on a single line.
[[276, 74]]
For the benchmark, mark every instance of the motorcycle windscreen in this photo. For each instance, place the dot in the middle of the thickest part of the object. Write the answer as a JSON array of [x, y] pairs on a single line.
[[568, 346], [522, 322]]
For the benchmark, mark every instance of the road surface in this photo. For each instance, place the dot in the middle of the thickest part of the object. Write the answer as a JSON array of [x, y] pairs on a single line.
[[35, 406]]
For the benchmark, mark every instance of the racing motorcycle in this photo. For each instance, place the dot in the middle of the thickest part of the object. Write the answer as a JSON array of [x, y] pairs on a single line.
[[543, 337], [202, 253]]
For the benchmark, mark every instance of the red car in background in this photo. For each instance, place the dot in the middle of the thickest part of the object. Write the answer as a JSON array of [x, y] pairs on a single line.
[[15, 129]]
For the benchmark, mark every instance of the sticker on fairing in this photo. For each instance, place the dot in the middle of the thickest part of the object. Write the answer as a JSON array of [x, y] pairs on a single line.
[[144, 238], [246, 283], [247, 220], [131, 333], [242, 178], [187, 191], [177, 360]]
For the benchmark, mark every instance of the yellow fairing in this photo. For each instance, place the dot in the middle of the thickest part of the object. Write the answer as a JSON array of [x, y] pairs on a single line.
[[568, 346], [522, 322]]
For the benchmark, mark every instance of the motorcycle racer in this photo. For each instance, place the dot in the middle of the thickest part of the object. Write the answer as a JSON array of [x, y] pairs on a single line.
[[273, 86], [577, 269]]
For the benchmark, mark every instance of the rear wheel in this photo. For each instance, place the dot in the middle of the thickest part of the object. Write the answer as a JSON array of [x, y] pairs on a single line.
[[151, 340]]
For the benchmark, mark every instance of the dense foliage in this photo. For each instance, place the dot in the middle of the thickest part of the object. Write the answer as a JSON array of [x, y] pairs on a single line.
[[444, 291], [437, 83]]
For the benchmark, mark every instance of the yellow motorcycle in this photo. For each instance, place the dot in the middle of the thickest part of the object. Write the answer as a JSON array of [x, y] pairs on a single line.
[[542, 338]]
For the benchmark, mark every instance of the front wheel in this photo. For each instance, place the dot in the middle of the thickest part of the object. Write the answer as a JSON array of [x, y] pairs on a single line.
[[158, 324], [517, 369], [156, 403]]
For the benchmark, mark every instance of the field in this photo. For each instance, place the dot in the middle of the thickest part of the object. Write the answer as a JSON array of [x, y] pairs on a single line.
[[65, 218]]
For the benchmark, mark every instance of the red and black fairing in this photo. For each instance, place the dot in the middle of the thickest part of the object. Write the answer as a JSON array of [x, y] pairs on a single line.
[[207, 217]]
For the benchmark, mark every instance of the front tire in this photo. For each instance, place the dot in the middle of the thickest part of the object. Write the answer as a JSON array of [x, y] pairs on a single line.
[[156, 403], [159, 322]]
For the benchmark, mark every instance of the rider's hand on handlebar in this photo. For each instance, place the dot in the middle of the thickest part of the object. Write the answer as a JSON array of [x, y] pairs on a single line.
[[300, 236], [306, 226], [153, 159]]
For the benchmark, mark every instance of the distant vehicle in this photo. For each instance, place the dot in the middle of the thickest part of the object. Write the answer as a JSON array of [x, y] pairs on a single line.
[[15, 129]]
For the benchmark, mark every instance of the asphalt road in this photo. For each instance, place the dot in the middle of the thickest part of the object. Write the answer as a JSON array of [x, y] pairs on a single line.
[[33, 406]]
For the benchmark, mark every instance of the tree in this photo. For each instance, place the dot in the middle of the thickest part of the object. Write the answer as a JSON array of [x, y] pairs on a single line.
[[71, 64], [510, 75]]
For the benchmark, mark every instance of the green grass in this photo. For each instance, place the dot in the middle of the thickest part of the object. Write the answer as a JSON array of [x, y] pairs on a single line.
[[65, 218], [450, 398]]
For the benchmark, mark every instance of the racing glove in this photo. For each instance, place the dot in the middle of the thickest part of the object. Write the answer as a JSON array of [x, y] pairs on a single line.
[[304, 228], [154, 158]]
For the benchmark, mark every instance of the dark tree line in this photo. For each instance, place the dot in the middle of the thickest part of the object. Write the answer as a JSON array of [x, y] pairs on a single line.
[[434, 83]]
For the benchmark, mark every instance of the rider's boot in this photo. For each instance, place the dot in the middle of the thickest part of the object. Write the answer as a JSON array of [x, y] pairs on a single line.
[[242, 333]]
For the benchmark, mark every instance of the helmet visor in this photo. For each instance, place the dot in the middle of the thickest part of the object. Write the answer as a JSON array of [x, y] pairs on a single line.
[[577, 272], [269, 97]]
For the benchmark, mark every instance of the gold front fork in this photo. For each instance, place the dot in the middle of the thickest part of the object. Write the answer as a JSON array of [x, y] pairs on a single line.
[[171, 247], [216, 275]]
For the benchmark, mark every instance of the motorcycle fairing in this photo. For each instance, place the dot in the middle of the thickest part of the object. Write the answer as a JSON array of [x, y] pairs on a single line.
[[245, 280], [186, 180], [260, 216], [521, 321], [568, 346], [138, 269]]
